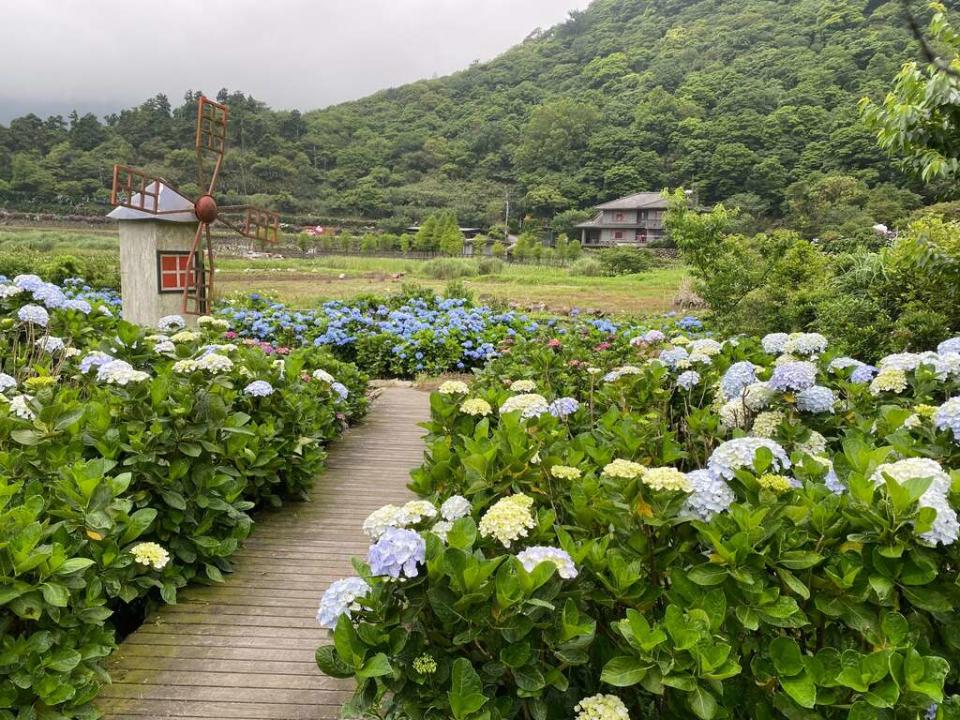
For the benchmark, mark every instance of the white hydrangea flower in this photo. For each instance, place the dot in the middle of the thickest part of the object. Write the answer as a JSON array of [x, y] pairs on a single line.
[[455, 507], [709, 496], [341, 599], [601, 707], [758, 396], [417, 510], [453, 387], [19, 407], [323, 376], [705, 346], [733, 414], [814, 445], [529, 405], [666, 478], [738, 453], [533, 556], [624, 469], [767, 423], [523, 386], [508, 519], [805, 344], [774, 343], [388, 516], [185, 367], [441, 529], [120, 372], [215, 363], [7, 382], [171, 323]]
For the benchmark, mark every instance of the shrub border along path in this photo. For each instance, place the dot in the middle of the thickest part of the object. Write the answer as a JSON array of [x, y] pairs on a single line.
[[244, 649]]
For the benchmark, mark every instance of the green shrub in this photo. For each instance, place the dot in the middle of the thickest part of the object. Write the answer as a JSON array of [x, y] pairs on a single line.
[[626, 261], [489, 266], [449, 268], [587, 266], [89, 468]]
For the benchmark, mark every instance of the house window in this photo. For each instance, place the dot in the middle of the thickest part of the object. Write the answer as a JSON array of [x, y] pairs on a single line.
[[618, 217], [618, 235], [173, 271]]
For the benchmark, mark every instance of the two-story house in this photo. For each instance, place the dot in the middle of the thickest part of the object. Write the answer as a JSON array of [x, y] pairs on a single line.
[[635, 220]]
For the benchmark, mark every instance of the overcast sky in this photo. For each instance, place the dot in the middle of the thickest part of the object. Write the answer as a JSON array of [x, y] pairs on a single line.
[[103, 55]]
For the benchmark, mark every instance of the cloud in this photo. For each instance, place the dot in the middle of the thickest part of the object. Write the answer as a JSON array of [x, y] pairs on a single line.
[[99, 54]]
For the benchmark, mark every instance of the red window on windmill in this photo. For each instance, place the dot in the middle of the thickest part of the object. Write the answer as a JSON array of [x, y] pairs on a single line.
[[176, 271]]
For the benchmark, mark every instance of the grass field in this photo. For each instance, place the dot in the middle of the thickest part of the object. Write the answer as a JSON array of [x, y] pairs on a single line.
[[303, 282]]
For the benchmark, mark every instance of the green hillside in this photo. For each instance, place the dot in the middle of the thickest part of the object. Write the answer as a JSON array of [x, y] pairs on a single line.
[[738, 98]]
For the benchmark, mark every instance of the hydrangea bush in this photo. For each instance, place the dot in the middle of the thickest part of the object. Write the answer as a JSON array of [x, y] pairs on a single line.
[[130, 461], [637, 556]]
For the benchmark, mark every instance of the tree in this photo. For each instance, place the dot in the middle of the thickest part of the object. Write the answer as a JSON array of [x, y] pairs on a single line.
[[918, 121]]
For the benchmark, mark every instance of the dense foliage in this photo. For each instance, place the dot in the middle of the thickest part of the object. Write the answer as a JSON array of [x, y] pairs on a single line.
[[623, 525], [742, 99], [903, 293], [130, 461]]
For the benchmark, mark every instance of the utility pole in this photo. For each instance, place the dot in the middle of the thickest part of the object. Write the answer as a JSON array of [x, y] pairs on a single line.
[[506, 216]]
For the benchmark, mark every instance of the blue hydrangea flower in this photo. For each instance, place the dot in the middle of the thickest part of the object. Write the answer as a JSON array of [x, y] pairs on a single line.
[[949, 346], [947, 417], [397, 553], [688, 379], [672, 357], [33, 315], [78, 304], [562, 407], [711, 495], [6, 382], [94, 360], [816, 399], [340, 389], [795, 376], [50, 295], [736, 379], [774, 343], [340, 599], [28, 282], [689, 323], [833, 483], [863, 374], [259, 388]]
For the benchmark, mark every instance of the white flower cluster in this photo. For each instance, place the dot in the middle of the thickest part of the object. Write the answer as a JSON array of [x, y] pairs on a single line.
[[530, 405], [805, 344], [619, 372], [947, 417], [150, 554], [397, 516], [208, 321], [120, 372], [946, 527], [508, 519], [19, 407], [738, 453], [523, 386], [215, 363], [455, 507], [624, 469], [171, 323], [601, 707], [323, 376], [453, 387], [533, 556], [666, 478], [774, 343], [705, 346]]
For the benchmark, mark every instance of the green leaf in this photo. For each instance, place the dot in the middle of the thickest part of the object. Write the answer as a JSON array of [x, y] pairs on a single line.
[[330, 663], [801, 688], [624, 671], [463, 534], [786, 656], [55, 594], [73, 565], [707, 574], [466, 691], [376, 666], [702, 703]]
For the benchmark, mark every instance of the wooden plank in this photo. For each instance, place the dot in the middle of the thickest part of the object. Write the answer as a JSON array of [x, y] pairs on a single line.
[[244, 649]]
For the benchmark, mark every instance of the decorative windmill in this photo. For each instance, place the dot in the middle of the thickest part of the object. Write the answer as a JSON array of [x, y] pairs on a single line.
[[162, 228]]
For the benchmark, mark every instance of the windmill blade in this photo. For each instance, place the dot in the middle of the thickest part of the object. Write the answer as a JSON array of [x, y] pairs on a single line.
[[257, 224], [136, 190], [211, 138]]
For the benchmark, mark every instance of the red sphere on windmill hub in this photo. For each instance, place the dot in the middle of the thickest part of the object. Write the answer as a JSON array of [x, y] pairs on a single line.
[[206, 209]]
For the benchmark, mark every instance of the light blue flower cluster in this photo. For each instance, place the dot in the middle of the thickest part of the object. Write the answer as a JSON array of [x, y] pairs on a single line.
[[736, 379], [674, 357], [816, 399], [33, 315], [340, 389], [259, 388], [947, 417], [533, 556], [794, 376], [397, 553], [340, 599], [563, 407], [710, 495], [688, 380]]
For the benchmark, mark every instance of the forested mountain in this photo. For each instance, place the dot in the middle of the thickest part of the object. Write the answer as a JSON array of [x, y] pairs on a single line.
[[749, 98]]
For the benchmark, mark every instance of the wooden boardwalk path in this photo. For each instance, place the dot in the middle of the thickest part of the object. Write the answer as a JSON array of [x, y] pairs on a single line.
[[244, 649]]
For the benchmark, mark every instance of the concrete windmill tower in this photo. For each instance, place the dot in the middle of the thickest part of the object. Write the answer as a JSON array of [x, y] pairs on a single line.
[[166, 254]]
